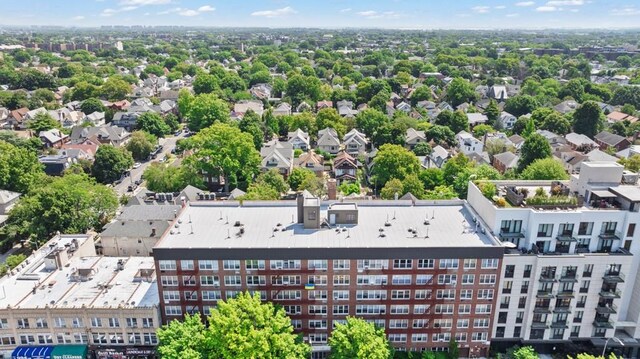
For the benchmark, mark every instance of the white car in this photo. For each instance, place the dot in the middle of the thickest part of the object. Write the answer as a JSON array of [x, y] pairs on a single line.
[[136, 165]]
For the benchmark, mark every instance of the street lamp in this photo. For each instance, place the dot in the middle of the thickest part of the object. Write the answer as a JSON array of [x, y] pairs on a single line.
[[616, 339]]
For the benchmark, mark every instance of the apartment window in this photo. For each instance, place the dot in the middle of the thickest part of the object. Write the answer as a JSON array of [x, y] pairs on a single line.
[[371, 309], [443, 323], [209, 280], [527, 271], [132, 322], [27, 339], [483, 308], [169, 295], [341, 264], [318, 324], [447, 278], [96, 322], [449, 294], [422, 279], [419, 337], [524, 288], [423, 294], [588, 269], [461, 337], [45, 339], [186, 264], [169, 280], [254, 264], [373, 264], [150, 338], [189, 280], [441, 337], [285, 264], [462, 323], [402, 264], [286, 294], [167, 265], [211, 295], [519, 317], [253, 280], [114, 323], [372, 279], [522, 302], [481, 323], [135, 338], [317, 264], [577, 316], [545, 230], [490, 263], [479, 336], [509, 271], [502, 317], [500, 332], [506, 286], [317, 294], [57, 322], [318, 280], [341, 280], [420, 323], [468, 279], [487, 279], [444, 308], [575, 331], [341, 310], [231, 264], [631, 229], [172, 310], [485, 294], [401, 280], [421, 309], [582, 301], [584, 286], [41, 323], [206, 264], [426, 263], [466, 294], [470, 263], [504, 302], [400, 294], [585, 228], [449, 263], [517, 332], [233, 280], [147, 322], [399, 309], [398, 338], [464, 309], [398, 323], [609, 227], [292, 309], [80, 338], [77, 323]]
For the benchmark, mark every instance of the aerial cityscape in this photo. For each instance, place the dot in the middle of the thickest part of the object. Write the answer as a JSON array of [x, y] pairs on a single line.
[[319, 179]]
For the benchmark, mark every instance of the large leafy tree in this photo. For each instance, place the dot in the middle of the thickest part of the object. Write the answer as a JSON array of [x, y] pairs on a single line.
[[153, 123], [493, 112], [460, 91], [242, 327], [166, 178], [141, 145], [456, 121], [203, 111], [298, 176], [588, 119], [521, 105], [535, 147], [115, 89], [92, 105], [43, 122], [370, 120], [73, 203], [545, 169], [20, 170], [205, 83], [394, 161], [273, 179], [110, 163], [226, 151], [359, 339]]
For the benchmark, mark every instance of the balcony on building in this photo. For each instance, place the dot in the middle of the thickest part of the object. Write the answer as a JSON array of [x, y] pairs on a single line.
[[606, 308], [545, 293], [559, 323], [602, 321], [613, 276]]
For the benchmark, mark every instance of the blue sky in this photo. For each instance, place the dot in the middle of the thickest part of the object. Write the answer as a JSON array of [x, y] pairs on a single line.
[[404, 14]]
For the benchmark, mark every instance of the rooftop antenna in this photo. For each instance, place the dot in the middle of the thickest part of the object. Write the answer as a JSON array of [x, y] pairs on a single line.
[[227, 220], [348, 234], [228, 234], [434, 214], [220, 214], [191, 229], [394, 215], [189, 218], [292, 218], [427, 236]]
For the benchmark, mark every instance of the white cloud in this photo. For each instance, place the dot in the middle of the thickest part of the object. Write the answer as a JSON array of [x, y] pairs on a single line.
[[513, 15], [275, 13], [144, 2], [525, 3], [188, 12], [500, 7], [370, 14], [626, 11], [480, 9], [170, 11], [206, 8], [79, 17], [345, 10], [109, 12], [547, 8], [565, 3]]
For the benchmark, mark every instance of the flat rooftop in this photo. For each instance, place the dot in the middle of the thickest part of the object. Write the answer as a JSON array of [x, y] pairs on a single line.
[[105, 287], [273, 225]]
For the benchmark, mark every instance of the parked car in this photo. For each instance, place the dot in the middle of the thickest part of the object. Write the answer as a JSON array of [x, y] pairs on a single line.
[[137, 165]]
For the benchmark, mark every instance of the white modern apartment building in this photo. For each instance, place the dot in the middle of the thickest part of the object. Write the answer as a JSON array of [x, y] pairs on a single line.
[[569, 273]]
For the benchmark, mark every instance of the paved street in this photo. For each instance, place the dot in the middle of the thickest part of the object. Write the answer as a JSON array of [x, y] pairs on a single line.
[[168, 144]]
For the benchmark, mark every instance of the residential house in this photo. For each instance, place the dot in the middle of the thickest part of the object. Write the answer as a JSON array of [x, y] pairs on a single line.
[[53, 138], [169, 95], [608, 140], [4, 114], [355, 142], [299, 140], [120, 105], [517, 141], [579, 142], [617, 116], [345, 168], [629, 151], [303, 107], [505, 161], [311, 161], [261, 91], [413, 137], [55, 165], [328, 141], [241, 107], [444, 106], [567, 106], [323, 104], [475, 119], [279, 155], [506, 120], [16, 119], [404, 107], [283, 109], [345, 109], [467, 144], [126, 120], [111, 135], [427, 105], [31, 115], [85, 150], [498, 92], [438, 157], [572, 160], [7, 200], [166, 107], [553, 139], [95, 118]]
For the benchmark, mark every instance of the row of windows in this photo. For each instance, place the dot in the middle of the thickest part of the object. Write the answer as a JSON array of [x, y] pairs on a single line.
[[360, 309], [338, 264], [321, 338], [96, 322], [81, 338], [322, 280]]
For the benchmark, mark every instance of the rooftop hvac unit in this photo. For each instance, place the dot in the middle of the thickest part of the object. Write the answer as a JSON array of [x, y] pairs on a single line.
[[169, 196]]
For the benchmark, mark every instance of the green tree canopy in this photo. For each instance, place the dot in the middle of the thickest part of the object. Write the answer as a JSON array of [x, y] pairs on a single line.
[[153, 123], [110, 163], [588, 119], [460, 91], [521, 105], [141, 145], [20, 170], [205, 83], [370, 120], [394, 161], [204, 110], [273, 179], [225, 151], [298, 176], [161, 177], [632, 163], [535, 147], [115, 89], [43, 122], [545, 169], [456, 121], [359, 339], [91, 105]]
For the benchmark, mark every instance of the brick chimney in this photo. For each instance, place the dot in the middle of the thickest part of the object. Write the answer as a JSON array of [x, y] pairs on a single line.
[[332, 189]]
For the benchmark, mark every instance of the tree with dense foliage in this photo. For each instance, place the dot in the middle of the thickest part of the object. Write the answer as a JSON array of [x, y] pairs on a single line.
[[161, 177], [251, 124], [359, 339], [493, 113], [523, 353], [391, 189], [205, 83], [260, 192], [315, 185], [394, 161], [153, 123], [347, 188], [204, 110], [297, 176], [431, 178], [422, 149], [422, 93], [73, 203], [545, 169], [632, 163], [521, 105], [535, 147], [456, 121], [172, 121], [273, 179], [110, 163], [224, 150], [412, 184], [460, 91], [115, 89], [20, 170], [32, 144], [588, 119], [91, 105], [441, 193], [440, 135], [141, 144], [43, 122], [480, 130]]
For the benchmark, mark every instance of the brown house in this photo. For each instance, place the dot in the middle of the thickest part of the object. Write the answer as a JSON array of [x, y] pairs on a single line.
[[608, 140]]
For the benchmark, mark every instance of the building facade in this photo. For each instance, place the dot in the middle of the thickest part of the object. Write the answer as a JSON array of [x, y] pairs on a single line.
[[425, 273]]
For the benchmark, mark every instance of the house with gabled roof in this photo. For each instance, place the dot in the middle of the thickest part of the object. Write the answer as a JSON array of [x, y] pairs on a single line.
[[467, 144], [580, 142], [279, 155], [608, 140], [323, 104], [345, 168], [355, 142], [299, 140], [311, 161], [507, 120], [498, 92], [53, 138], [283, 109], [328, 141], [412, 137], [505, 161]]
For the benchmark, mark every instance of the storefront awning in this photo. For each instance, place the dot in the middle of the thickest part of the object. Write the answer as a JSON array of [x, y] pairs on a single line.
[[69, 352], [32, 352]]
